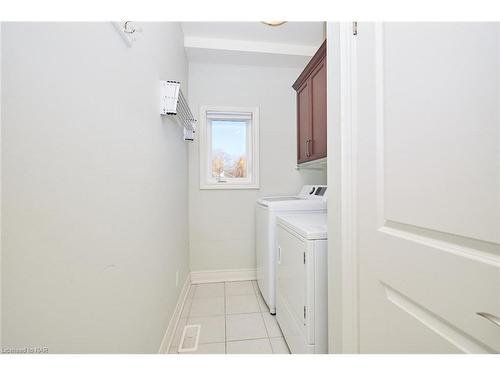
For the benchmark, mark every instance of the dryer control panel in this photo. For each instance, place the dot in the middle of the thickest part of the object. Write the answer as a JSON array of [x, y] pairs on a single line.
[[314, 192]]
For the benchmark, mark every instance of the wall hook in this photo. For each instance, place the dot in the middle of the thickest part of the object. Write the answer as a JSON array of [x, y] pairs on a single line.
[[128, 31], [128, 27]]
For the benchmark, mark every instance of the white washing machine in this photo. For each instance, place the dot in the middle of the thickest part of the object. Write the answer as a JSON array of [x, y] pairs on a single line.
[[301, 282], [311, 198]]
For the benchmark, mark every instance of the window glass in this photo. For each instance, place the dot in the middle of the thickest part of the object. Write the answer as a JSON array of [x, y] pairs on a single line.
[[229, 153]]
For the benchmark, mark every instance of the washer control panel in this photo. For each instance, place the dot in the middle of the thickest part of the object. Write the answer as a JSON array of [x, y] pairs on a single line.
[[314, 192]]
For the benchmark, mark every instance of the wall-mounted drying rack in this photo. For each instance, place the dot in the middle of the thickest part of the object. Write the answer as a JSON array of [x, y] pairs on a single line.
[[173, 102]]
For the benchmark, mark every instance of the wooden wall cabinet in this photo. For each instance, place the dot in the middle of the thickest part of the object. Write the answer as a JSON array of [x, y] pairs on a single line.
[[311, 109]]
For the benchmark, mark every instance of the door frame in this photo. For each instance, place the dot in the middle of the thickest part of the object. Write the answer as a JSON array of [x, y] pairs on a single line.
[[343, 301]]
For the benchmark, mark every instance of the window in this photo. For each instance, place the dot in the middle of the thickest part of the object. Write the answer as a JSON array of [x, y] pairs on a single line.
[[229, 148]]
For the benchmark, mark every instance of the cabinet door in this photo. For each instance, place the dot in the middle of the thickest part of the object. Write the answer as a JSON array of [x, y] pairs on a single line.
[[303, 122], [317, 145]]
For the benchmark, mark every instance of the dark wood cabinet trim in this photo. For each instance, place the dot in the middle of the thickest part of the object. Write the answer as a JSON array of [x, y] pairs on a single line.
[[300, 135], [314, 126], [320, 54]]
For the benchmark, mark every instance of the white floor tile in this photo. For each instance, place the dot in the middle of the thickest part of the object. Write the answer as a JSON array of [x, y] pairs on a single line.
[[212, 348], [262, 303], [245, 326], [173, 350], [255, 286], [238, 288], [232, 323], [178, 332], [261, 346], [273, 329], [207, 307], [213, 328], [209, 290], [279, 345], [242, 304]]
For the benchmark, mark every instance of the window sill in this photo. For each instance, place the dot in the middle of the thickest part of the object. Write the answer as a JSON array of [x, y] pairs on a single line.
[[225, 186]]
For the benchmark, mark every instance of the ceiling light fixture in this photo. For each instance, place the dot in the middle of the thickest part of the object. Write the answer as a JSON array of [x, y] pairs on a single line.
[[273, 23]]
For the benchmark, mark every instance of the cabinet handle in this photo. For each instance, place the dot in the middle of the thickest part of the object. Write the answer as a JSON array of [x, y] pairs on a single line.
[[308, 152], [279, 254], [492, 318]]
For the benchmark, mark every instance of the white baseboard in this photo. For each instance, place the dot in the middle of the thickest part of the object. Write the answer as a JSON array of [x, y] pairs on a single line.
[[172, 325], [202, 277]]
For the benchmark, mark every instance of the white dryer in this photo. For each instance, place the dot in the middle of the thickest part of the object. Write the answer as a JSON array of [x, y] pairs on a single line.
[[301, 282], [311, 198]]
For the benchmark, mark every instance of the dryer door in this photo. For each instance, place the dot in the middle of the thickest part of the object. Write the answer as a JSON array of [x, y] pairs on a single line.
[[291, 289]]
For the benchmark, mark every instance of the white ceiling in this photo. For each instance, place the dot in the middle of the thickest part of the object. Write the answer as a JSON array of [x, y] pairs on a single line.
[[302, 33], [252, 43]]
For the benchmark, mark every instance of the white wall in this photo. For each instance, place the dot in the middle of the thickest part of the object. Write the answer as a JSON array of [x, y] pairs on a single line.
[[94, 187], [222, 221]]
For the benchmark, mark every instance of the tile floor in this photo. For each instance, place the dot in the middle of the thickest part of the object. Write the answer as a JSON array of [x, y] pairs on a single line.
[[234, 319]]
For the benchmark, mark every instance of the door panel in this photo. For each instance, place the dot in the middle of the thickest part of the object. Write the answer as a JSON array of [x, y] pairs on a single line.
[[428, 187], [304, 121], [318, 92], [446, 92]]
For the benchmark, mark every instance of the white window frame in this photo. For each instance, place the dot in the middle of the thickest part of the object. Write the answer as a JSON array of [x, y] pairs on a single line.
[[206, 181]]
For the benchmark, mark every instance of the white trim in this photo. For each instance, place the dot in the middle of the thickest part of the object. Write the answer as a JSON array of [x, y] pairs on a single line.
[[253, 140], [349, 194], [343, 270], [249, 46], [174, 321], [216, 276]]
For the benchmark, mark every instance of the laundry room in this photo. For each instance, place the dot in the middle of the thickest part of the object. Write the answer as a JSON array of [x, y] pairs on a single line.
[[250, 187], [248, 166], [237, 141]]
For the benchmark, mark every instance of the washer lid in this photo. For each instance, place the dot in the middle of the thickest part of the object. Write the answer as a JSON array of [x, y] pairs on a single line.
[[280, 199], [292, 204], [310, 226]]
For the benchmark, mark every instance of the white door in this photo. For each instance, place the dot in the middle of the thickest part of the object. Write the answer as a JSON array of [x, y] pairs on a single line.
[[427, 181]]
